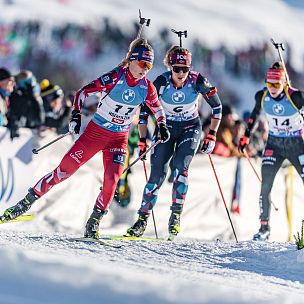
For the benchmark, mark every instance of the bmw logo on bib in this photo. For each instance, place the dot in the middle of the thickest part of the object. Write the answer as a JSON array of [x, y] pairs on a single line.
[[278, 109], [178, 97], [128, 95]]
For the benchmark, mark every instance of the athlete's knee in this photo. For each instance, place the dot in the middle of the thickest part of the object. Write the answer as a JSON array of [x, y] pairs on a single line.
[[180, 174], [157, 179]]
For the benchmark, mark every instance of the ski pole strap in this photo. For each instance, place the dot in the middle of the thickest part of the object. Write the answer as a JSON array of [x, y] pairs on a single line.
[[141, 156]]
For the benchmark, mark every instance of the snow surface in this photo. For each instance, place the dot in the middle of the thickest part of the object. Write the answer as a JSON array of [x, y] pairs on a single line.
[[47, 268], [39, 265], [203, 265]]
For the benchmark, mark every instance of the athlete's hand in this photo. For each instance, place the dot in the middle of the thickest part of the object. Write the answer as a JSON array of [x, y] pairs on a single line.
[[142, 146], [243, 143], [209, 142], [163, 133], [75, 122]]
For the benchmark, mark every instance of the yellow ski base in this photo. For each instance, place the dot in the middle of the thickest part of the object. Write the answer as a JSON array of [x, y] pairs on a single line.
[[20, 218]]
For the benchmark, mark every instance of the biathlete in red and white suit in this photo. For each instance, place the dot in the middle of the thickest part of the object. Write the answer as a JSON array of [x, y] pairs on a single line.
[[121, 92]]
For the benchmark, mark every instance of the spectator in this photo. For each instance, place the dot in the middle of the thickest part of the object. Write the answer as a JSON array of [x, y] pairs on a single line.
[[7, 82], [226, 145], [26, 109], [57, 111]]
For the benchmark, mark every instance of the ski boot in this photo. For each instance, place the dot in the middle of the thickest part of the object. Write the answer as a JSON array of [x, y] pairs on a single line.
[[263, 234], [92, 225], [139, 226], [21, 207], [174, 225]]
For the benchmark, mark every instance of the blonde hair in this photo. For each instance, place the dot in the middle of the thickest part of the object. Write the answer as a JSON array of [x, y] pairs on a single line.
[[140, 42], [173, 50]]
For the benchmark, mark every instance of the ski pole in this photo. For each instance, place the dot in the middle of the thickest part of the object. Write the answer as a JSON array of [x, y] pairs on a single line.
[[35, 151], [141, 156], [180, 34], [279, 47], [146, 175], [211, 162], [142, 22], [259, 178]]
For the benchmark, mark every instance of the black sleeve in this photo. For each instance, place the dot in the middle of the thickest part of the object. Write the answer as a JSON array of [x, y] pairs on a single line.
[[159, 82], [255, 112], [203, 85], [297, 98], [209, 93]]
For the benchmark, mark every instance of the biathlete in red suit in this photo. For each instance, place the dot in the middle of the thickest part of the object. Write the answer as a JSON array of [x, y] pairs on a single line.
[[121, 92]]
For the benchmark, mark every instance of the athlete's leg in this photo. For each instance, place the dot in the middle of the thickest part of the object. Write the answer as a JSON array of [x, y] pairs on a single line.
[[186, 147], [82, 150], [114, 156], [271, 163], [113, 161], [160, 158], [295, 155]]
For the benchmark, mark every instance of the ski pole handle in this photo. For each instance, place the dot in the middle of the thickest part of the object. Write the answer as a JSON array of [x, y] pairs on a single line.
[[142, 22], [140, 157], [279, 47], [35, 151]]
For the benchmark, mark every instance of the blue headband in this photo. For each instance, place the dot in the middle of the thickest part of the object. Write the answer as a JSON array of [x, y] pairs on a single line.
[[142, 54]]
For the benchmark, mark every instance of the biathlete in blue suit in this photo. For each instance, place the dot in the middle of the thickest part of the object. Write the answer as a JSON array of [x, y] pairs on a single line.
[[179, 90], [282, 106]]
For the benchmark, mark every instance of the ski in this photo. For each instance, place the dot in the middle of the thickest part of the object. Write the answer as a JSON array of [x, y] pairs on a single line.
[[129, 238], [92, 240], [20, 218]]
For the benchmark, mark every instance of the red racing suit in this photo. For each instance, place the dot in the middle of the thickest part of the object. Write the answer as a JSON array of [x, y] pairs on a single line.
[[120, 95]]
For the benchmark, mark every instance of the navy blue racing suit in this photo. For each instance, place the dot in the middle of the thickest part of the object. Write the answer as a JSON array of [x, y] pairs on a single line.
[[183, 122]]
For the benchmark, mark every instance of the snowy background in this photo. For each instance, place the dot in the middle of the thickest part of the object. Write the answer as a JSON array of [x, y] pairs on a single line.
[[205, 264]]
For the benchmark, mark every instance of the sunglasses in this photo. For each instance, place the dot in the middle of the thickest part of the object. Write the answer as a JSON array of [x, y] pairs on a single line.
[[145, 64], [276, 85], [177, 69]]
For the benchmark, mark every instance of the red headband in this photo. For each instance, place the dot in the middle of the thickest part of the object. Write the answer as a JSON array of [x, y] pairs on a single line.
[[274, 74], [181, 58]]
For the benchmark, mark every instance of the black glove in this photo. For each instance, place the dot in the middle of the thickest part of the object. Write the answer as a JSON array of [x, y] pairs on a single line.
[[75, 122], [209, 142], [163, 133]]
